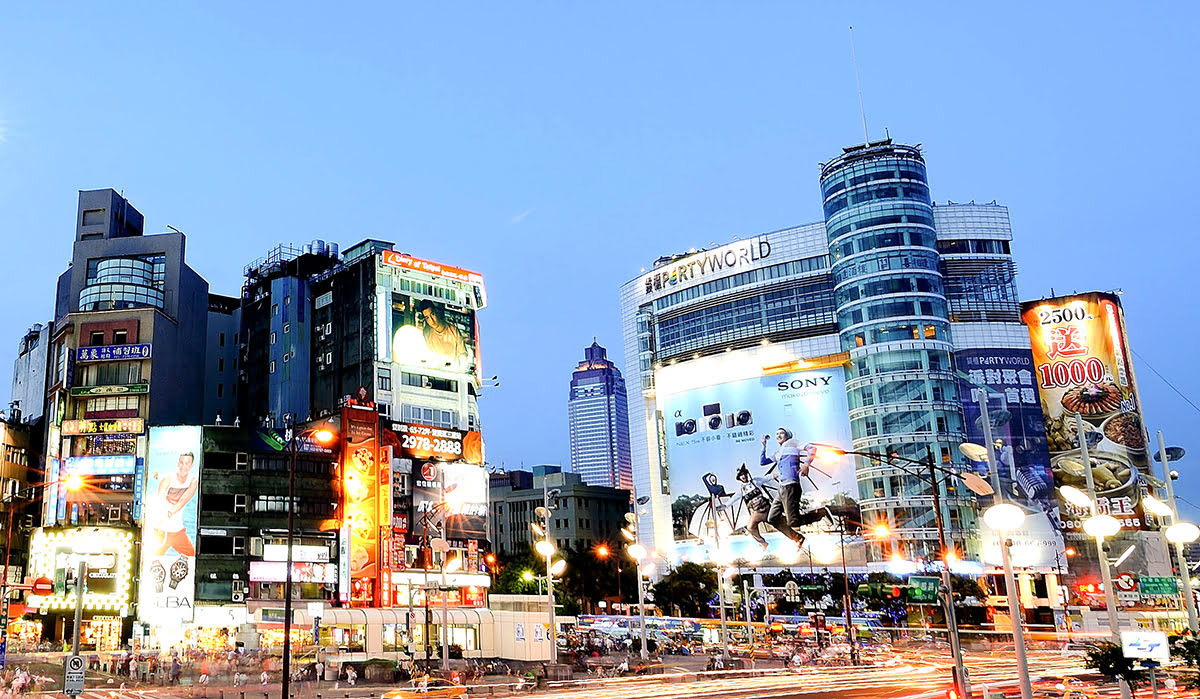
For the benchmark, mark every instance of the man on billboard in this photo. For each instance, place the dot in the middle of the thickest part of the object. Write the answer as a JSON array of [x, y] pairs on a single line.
[[792, 462], [165, 514], [442, 338]]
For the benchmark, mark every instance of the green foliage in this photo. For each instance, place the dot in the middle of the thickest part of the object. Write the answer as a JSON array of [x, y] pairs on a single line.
[[1187, 649], [687, 588], [509, 580], [681, 513], [1108, 660]]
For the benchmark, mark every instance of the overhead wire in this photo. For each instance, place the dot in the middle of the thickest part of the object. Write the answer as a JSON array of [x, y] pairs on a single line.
[[1166, 381]]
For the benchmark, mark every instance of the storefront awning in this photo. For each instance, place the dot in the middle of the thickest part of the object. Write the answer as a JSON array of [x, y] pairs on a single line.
[[462, 616]]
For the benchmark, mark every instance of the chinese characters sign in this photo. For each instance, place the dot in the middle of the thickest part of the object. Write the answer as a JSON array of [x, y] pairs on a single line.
[[360, 486], [1082, 366], [1022, 455], [112, 353]]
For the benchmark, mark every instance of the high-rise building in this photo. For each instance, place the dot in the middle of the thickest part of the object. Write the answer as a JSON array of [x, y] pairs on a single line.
[[598, 418], [844, 331]]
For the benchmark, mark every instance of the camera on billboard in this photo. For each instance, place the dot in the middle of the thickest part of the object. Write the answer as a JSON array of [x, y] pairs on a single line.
[[713, 419]]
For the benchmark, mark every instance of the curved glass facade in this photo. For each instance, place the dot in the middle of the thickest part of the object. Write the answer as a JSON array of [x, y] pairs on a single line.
[[122, 283], [893, 319]]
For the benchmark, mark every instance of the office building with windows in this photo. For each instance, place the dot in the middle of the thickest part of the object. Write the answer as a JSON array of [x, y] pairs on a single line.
[[889, 287], [582, 516], [598, 421]]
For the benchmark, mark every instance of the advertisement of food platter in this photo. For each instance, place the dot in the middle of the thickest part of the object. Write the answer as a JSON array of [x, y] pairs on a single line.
[[166, 596], [731, 441], [1021, 449], [431, 335], [360, 485], [1082, 363], [463, 487]]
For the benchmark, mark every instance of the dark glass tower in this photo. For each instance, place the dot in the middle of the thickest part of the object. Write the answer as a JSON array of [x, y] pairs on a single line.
[[893, 320], [598, 414]]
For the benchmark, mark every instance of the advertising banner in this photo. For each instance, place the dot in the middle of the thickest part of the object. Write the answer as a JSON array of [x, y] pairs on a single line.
[[1022, 454], [1081, 360], [464, 487], [427, 443], [131, 425], [167, 593], [108, 572], [101, 465], [720, 430], [360, 483], [109, 353], [302, 572], [429, 334]]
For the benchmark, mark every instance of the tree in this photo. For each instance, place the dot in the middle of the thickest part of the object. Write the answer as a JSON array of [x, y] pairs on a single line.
[[688, 588], [1187, 649], [681, 513], [510, 580], [587, 579], [1108, 660]]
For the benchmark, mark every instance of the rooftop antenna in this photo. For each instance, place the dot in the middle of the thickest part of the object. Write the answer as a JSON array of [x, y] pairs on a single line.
[[858, 81]]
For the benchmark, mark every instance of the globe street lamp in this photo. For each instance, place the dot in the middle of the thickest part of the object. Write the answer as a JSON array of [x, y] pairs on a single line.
[[638, 553], [1166, 455]]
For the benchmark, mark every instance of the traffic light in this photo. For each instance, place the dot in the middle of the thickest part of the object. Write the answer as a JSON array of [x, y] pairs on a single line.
[[889, 591]]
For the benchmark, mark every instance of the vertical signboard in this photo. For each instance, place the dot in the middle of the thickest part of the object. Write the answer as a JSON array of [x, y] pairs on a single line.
[[1081, 359], [463, 487], [360, 485], [1022, 455], [170, 500]]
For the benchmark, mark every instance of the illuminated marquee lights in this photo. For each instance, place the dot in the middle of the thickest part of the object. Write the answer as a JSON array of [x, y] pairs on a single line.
[[47, 545]]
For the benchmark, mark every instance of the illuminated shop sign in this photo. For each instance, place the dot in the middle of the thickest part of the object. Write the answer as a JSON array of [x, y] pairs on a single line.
[[276, 572], [128, 425], [101, 465], [707, 263], [303, 554], [167, 593], [107, 555], [110, 353], [114, 390], [402, 261], [428, 443]]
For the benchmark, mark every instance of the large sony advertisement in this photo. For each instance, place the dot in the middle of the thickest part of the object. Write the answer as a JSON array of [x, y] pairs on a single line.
[[730, 447], [430, 334], [1022, 454], [167, 592]]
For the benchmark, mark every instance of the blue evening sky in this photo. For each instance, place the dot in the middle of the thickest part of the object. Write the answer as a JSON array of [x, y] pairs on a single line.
[[560, 147]]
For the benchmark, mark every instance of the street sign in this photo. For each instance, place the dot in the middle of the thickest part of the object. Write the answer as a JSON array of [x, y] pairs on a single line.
[[1145, 645], [43, 587], [73, 677], [923, 588], [1158, 586]]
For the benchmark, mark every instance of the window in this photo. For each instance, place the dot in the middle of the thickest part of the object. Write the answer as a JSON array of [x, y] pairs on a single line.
[[274, 337], [287, 328], [95, 405], [272, 366], [220, 390], [385, 379], [221, 339], [220, 364], [274, 309], [239, 502], [239, 546], [93, 217], [96, 338], [120, 337]]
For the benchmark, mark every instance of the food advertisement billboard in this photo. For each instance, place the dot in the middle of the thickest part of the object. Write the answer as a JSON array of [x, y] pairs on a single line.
[[108, 572], [463, 486], [430, 334], [360, 484], [167, 594], [1082, 364], [1022, 454], [731, 438]]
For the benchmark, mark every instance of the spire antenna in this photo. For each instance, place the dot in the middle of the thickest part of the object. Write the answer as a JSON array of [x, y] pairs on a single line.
[[858, 81]]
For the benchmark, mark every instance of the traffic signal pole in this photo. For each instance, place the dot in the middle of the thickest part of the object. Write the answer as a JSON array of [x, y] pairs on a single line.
[[961, 681]]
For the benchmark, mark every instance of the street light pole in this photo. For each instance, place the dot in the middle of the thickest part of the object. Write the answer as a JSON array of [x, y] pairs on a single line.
[[1184, 572], [1010, 581], [79, 603], [550, 575], [1110, 598]]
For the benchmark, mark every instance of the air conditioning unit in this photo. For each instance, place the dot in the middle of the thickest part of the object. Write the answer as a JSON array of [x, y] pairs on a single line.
[[238, 597], [256, 546]]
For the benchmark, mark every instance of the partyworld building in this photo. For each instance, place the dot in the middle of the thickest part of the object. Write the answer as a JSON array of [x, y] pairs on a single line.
[[859, 331]]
